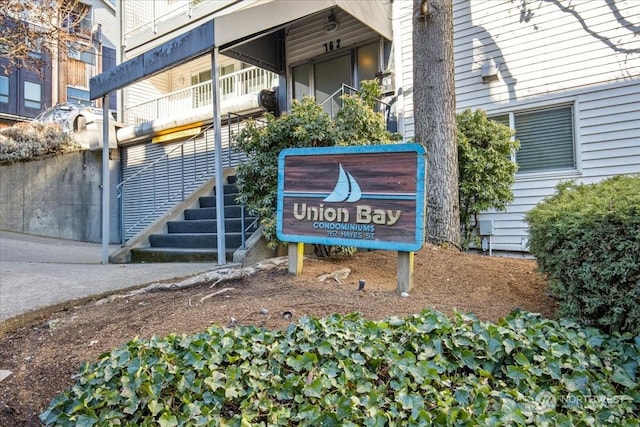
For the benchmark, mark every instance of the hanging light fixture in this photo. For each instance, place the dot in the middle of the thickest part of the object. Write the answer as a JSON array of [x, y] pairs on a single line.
[[331, 25]]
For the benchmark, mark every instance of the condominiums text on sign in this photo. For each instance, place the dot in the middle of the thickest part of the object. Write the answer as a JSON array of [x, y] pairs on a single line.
[[363, 196]]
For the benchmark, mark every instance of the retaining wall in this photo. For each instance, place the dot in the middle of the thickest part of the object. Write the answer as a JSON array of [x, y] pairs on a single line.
[[57, 196]]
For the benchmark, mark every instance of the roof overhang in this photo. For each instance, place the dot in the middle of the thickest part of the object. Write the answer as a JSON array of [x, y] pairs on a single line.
[[267, 15], [247, 19]]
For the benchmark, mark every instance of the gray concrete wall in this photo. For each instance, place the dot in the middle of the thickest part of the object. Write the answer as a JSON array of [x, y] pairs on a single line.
[[58, 196]]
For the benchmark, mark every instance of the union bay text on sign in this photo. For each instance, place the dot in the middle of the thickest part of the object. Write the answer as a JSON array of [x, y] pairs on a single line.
[[363, 196]]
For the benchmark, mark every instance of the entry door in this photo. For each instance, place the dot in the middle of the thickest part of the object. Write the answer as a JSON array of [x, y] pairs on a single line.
[[328, 77]]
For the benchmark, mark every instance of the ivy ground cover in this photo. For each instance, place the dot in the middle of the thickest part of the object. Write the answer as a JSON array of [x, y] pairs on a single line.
[[425, 369]]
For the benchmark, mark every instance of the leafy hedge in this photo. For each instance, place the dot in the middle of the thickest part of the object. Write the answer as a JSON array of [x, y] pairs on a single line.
[[305, 125], [348, 371], [24, 141], [487, 172], [586, 239]]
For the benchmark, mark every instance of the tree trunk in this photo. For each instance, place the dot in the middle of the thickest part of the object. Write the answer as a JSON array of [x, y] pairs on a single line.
[[434, 115]]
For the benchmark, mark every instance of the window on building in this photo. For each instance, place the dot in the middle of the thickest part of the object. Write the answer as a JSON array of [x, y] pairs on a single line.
[[546, 138], [301, 85], [33, 95], [35, 47], [368, 61], [78, 20], [79, 52], [78, 96], [201, 77], [323, 78], [201, 94], [227, 69], [4, 89]]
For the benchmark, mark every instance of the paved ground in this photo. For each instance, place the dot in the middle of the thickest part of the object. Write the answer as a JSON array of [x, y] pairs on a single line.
[[39, 272]]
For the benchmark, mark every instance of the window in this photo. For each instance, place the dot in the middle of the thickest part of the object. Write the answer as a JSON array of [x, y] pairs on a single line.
[[4, 89], [78, 19], [35, 47], [82, 53], [78, 96], [324, 77], [227, 69], [33, 95], [202, 93], [368, 61], [301, 79], [201, 77], [546, 138]]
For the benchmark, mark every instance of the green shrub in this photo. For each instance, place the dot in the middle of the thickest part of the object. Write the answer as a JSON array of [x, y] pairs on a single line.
[[348, 371], [586, 239], [305, 125], [487, 172], [25, 141]]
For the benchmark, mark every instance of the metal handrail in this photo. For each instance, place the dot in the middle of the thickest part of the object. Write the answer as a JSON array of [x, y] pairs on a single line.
[[347, 89], [162, 164], [171, 197]]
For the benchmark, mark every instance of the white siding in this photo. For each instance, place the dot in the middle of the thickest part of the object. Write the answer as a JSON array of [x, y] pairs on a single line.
[[587, 55], [306, 38], [106, 15], [403, 51], [553, 52], [147, 90]]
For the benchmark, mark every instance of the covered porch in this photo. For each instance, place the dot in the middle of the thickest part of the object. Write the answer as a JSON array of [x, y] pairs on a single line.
[[308, 48]]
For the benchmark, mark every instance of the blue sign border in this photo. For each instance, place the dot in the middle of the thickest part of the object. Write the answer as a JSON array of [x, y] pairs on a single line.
[[360, 243]]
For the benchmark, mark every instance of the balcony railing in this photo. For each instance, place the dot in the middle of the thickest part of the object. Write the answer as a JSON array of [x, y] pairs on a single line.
[[142, 15], [234, 85]]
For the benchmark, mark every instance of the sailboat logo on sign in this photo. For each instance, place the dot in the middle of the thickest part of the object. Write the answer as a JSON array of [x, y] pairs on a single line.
[[346, 189]]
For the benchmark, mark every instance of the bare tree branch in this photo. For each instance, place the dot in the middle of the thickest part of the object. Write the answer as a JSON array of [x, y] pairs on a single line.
[[32, 32]]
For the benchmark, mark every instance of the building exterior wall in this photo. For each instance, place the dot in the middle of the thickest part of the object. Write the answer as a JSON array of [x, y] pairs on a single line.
[[307, 38], [16, 108], [64, 71], [586, 57], [57, 196]]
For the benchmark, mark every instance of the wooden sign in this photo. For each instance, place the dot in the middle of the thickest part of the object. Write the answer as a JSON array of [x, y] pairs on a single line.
[[362, 196]]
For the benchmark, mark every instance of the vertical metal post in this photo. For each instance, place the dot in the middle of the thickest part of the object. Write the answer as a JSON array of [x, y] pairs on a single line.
[[217, 132], [105, 179], [405, 272]]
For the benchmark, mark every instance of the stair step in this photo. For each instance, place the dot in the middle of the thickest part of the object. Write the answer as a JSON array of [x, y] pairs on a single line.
[[194, 240], [210, 201], [209, 225], [227, 189], [150, 255], [210, 213]]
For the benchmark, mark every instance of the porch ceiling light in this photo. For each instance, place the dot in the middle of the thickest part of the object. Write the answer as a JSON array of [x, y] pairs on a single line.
[[331, 25]]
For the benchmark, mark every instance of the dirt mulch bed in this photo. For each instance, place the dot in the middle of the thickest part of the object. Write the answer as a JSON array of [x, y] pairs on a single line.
[[44, 356]]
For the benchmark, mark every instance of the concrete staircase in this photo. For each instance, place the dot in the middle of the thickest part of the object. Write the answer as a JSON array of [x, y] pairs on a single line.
[[194, 238]]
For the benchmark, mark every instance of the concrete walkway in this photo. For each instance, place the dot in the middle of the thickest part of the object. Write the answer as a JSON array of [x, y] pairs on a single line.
[[40, 273]]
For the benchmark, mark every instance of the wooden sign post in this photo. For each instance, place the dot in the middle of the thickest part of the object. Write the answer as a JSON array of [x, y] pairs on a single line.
[[363, 196]]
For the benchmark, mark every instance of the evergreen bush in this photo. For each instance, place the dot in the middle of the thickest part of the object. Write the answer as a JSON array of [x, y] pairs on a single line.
[[305, 125], [487, 172], [586, 238], [423, 370]]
